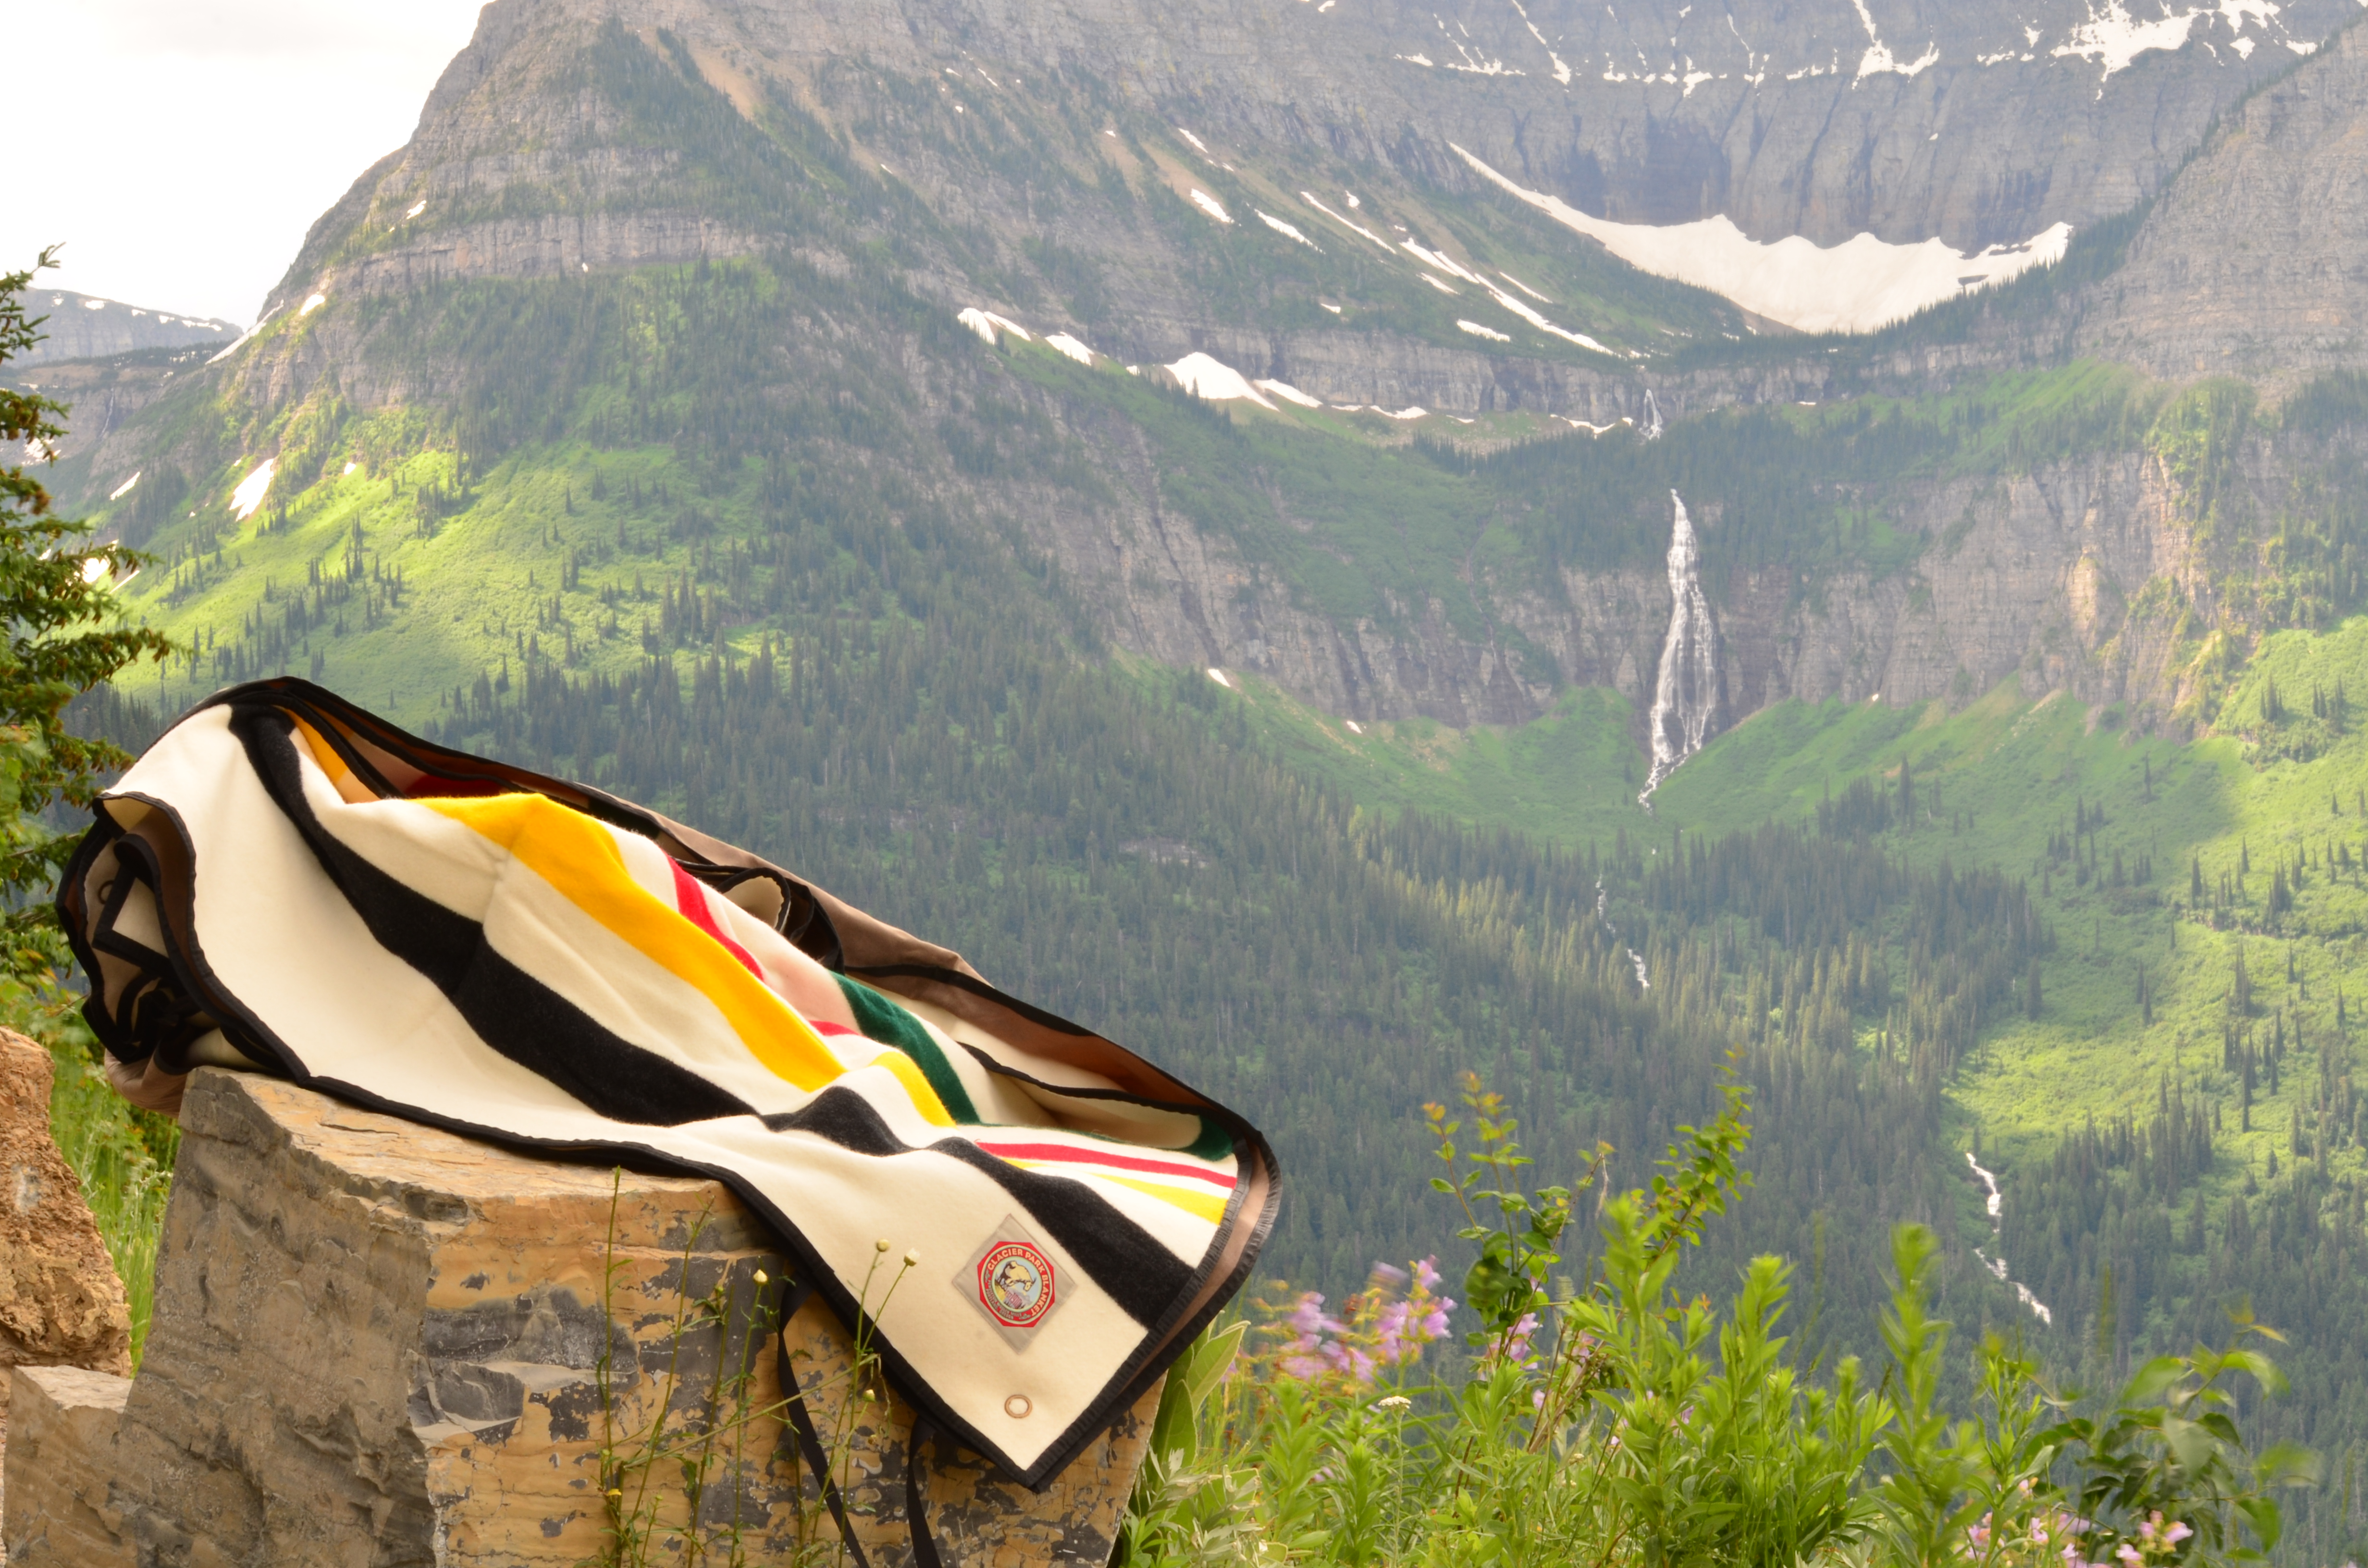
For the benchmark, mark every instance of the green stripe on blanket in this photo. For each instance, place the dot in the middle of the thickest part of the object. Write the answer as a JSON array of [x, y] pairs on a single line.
[[883, 1020]]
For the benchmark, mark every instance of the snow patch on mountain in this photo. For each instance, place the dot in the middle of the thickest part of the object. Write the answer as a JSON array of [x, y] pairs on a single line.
[[1879, 61], [2114, 38], [1290, 393], [986, 323], [1289, 231], [248, 496], [1344, 219], [244, 338], [1858, 286], [1213, 379]]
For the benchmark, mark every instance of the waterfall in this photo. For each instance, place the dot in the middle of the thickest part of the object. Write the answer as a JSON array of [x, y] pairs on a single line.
[[1685, 697], [1652, 426], [1997, 1265], [1602, 907]]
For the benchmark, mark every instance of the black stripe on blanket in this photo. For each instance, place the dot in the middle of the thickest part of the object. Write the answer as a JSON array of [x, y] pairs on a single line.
[[1144, 1277], [511, 1011]]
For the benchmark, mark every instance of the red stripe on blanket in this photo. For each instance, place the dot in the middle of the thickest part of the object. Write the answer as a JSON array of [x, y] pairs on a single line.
[[691, 899], [1064, 1152], [825, 1025], [429, 785]]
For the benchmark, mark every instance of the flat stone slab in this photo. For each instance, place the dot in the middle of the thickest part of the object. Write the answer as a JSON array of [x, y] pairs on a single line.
[[61, 1424], [376, 1343]]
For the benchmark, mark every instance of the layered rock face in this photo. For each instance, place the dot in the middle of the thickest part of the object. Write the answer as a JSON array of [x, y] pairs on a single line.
[[2073, 576], [54, 1512], [1977, 124], [376, 1342], [2250, 265], [60, 1304], [83, 326]]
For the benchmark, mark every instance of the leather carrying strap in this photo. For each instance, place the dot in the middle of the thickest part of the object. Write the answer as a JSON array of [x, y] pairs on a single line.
[[800, 1425], [917, 1502]]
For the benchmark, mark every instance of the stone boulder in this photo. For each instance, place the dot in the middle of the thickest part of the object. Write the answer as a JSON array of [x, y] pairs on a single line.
[[60, 1304], [379, 1343], [61, 1453]]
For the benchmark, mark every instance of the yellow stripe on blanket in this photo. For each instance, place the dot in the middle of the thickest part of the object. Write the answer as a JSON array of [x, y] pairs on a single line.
[[349, 787], [1206, 1206], [580, 859]]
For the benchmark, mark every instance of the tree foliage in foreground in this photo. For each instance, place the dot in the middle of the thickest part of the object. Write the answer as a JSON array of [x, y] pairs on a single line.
[[60, 636]]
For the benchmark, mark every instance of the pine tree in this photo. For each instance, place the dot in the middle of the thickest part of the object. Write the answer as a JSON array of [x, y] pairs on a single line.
[[59, 638]]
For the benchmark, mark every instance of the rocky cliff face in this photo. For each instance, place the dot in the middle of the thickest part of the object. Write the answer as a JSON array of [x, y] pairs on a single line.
[[1975, 122], [1971, 123], [83, 326], [1057, 165], [2085, 577], [2250, 263]]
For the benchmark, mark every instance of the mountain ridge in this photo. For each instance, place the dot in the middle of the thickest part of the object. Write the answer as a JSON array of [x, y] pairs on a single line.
[[89, 327]]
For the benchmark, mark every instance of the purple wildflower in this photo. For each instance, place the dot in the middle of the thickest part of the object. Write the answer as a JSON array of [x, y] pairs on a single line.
[[1517, 1343]]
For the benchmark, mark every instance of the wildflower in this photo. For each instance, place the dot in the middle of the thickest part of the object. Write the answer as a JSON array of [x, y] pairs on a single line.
[[2176, 1533], [763, 1278], [880, 1246], [1517, 1342], [1426, 1275], [1393, 1401], [2129, 1554], [912, 1258], [1390, 1275]]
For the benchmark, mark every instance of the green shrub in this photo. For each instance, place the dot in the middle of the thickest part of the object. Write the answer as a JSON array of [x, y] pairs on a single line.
[[1617, 1423]]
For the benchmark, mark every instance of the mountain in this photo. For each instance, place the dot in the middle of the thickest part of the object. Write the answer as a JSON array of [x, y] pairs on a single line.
[[83, 326], [1184, 507]]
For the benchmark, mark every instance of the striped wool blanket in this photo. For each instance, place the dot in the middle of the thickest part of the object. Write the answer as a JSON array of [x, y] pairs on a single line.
[[284, 877]]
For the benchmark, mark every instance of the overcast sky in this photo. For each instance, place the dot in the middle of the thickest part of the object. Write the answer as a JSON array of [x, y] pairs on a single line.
[[186, 145]]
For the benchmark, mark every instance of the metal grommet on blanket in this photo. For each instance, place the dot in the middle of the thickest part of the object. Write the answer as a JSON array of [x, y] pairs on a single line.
[[1017, 1407]]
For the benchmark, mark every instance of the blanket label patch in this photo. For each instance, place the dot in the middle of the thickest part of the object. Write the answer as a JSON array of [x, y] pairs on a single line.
[[1014, 1282]]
